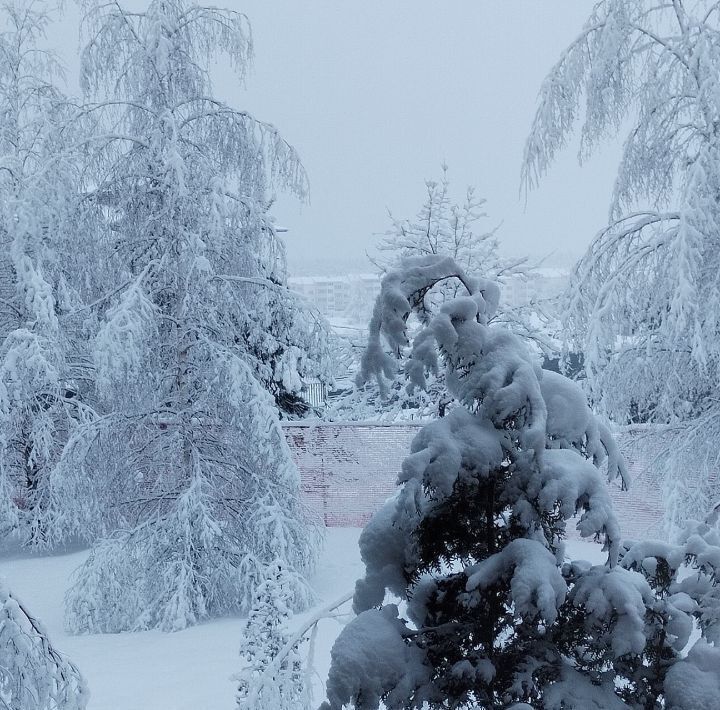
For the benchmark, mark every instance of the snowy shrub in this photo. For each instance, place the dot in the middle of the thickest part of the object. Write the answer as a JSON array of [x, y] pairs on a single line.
[[262, 684], [472, 544], [32, 673]]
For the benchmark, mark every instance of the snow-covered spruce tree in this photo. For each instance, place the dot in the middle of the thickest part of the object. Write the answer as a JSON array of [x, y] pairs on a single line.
[[472, 544], [191, 469], [645, 307], [264, 637], [36, 182], [32, 672]]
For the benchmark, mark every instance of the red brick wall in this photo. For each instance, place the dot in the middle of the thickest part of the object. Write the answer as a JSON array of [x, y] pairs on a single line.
[[348, 470], [640, 510]]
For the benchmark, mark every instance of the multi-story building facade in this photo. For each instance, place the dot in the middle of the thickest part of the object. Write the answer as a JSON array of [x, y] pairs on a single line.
[[341, 296]]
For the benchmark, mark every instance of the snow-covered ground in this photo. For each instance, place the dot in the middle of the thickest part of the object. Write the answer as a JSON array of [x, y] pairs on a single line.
[[187, 670]]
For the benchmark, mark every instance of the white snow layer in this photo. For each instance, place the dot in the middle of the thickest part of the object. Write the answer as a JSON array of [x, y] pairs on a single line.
[[189, 669]]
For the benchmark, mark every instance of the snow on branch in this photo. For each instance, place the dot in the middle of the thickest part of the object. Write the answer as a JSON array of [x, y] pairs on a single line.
[[33, 674]]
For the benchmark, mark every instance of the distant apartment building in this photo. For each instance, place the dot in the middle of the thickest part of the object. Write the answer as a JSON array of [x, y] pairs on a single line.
[[540, 285], [344, 295]]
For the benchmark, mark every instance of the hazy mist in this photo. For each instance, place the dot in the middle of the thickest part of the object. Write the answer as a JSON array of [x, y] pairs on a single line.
[[376, 95]]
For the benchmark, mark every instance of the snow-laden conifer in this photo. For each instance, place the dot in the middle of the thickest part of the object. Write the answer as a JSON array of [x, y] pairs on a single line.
[[33, 674], [490, 612], [645, 300], [191, 476]]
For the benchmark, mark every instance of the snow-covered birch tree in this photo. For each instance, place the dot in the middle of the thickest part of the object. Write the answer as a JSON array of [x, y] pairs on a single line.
[[33, 674], [37, 179], [645, 302], [189, 470], [491, 613]]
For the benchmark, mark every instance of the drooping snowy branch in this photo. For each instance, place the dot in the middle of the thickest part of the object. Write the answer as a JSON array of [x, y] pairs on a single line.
[[441, 228], [33, 674]]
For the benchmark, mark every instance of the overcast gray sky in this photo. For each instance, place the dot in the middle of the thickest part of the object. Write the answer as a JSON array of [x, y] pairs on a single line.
[[376, 94]]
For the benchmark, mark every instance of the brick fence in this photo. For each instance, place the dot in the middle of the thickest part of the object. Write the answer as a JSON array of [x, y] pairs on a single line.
[[348, 470]]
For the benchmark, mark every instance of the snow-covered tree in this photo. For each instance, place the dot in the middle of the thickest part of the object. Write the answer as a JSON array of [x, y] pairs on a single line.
[[187, 463], [491, 614], [442, 227], [684, 579], [265, 637], [33, 674], [37, 179], [290, 344], [448, 228], [196, 540], [645, 303]]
